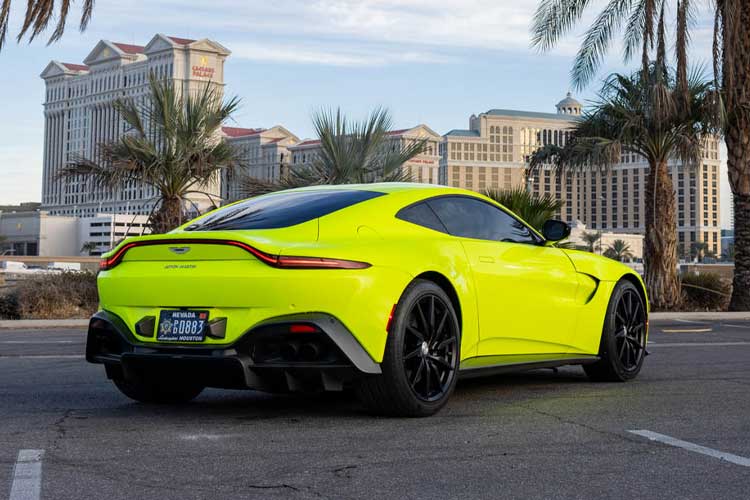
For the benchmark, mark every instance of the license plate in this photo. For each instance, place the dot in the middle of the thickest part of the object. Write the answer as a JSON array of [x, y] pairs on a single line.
[[182, 326]]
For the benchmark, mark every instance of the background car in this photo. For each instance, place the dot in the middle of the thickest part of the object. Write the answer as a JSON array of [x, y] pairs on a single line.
[[393, 289]]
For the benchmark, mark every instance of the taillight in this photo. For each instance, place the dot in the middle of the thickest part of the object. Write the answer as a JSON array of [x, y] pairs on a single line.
[[108, 263], [318, 263], [280, 261]]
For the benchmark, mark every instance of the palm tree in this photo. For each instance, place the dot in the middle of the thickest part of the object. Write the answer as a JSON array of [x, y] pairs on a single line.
[[38, 15], [731, 44], [533, 209], [591, 240], [648, 115], [699, 250], [619, 250], [89, 247], [173, 145], [732, 70], [350, 153]]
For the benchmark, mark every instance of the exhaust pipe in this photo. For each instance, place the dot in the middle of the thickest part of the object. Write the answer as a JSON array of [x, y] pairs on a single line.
[[309, 352], [289, 351]]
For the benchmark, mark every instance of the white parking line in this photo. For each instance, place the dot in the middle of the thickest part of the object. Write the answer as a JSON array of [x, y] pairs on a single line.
[[661, 438], [206, 437], [690, 321], [42, 356], [698, 344], [744, 327], [37, 341], [27, 475], [685, 330]]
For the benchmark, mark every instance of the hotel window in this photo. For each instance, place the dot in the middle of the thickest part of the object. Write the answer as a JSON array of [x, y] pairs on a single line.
[[469, 177]]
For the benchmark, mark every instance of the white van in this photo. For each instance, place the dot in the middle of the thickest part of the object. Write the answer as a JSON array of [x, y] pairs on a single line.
[[64, 266]]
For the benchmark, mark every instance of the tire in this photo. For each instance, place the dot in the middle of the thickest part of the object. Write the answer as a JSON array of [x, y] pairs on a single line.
[[622, 348], [146, 392], [420, 364]]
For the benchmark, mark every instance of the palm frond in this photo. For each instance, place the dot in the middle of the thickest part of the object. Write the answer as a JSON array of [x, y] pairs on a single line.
[[535, 210], [597, 40], [634, 31], [553, 19], [38, 15]]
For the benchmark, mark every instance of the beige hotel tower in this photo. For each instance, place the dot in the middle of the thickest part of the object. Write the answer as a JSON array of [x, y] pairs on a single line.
[[79, 113], [494, 152]]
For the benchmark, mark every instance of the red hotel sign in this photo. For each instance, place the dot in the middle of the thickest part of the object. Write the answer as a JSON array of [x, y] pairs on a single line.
[[203, 71]]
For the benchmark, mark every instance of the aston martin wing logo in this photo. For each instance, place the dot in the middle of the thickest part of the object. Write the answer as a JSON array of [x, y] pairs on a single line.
[[179, 250]]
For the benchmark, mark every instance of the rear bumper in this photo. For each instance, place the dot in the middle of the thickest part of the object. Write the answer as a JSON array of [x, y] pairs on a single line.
[[253, 361]]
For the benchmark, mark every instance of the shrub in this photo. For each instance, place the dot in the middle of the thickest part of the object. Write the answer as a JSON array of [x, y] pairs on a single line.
[[9, 306], [705, 292], [57, 296]]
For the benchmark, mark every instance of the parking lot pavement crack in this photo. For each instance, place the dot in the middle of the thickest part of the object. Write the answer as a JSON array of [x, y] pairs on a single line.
[[134, 479], [60, 429], [563, 420], [284, 486], [345, 471]]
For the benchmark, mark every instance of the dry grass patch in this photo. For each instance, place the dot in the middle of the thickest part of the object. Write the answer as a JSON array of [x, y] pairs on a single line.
[[65, 295]]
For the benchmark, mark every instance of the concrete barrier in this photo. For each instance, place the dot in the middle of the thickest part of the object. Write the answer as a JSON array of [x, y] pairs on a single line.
[[21, 324]]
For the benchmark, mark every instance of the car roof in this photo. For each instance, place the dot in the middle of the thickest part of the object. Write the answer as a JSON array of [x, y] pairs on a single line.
[[388, 187]]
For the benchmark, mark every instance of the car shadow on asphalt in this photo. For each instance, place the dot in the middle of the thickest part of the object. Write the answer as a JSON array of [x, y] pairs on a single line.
[[253, 405]]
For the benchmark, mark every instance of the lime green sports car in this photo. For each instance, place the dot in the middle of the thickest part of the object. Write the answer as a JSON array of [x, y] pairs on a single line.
[[393, 290]]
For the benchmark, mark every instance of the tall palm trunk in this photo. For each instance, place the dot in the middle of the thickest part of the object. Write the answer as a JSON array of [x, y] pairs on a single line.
[[168, 216], [736, 80], [660, 243]]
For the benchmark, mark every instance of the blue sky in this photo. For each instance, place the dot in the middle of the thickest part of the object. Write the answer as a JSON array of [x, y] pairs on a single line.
[[428, 61]]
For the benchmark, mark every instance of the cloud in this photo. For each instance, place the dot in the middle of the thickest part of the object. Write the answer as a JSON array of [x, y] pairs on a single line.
[[335, 32], [329, 55]]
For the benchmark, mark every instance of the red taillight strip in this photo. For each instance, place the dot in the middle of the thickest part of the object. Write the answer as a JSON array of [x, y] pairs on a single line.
[[280, 261]]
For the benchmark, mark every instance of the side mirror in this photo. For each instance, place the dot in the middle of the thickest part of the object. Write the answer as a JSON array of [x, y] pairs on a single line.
[[555, 230]]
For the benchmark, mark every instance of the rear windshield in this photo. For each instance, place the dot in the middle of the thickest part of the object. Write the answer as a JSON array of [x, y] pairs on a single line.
[[280, 210]]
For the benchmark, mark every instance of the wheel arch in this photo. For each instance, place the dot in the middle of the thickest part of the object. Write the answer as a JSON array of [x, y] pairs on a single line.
[[638, 283], [444, 283]]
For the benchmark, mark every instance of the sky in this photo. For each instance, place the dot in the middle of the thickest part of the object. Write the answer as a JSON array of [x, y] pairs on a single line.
[[428, 61]]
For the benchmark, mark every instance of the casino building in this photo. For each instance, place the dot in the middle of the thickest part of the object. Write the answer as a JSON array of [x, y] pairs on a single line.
[[422, 168], [264, 154], [79, 113], [494, 153]]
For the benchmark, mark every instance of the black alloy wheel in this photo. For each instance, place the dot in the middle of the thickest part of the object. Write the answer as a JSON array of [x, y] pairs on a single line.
[[430, 348], [623, 343], [630, 330], [421, 359]]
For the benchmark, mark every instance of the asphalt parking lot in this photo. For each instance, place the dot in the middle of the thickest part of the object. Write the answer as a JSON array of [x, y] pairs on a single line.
[[64, 429]]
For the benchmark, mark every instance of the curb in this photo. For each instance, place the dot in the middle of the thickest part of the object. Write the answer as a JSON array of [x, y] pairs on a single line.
[[43, 323], [707, 316]]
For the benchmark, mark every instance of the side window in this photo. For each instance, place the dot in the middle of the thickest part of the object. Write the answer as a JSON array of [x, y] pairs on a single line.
[[472, 218], [422, 215]]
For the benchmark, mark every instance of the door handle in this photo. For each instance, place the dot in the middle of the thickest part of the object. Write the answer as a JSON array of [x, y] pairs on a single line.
[[484, 258]]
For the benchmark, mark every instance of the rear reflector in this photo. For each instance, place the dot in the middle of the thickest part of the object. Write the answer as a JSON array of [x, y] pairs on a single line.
[[390, 318], [280, 261]]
